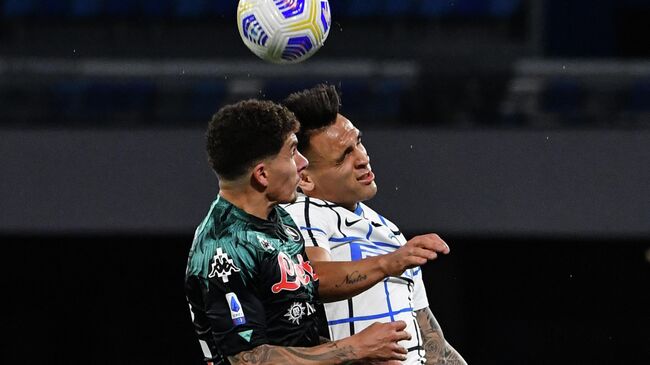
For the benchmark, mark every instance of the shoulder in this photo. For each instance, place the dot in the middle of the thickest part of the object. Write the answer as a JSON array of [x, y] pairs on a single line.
[[373, 215], [302, 201], [306, 206]]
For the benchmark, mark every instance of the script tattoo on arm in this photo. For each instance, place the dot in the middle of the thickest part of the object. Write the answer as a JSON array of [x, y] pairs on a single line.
[[438, 351], [352, 278], [329, 353]]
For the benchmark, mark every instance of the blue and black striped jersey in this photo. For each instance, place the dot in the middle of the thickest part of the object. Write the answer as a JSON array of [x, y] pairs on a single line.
[[351, 236]]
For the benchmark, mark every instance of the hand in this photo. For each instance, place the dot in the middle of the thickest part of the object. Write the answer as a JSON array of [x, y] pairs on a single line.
[[416, 252], [379, 342]]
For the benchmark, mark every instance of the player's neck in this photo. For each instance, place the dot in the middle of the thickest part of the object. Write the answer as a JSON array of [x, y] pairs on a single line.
[[351, 206], [248, 200]]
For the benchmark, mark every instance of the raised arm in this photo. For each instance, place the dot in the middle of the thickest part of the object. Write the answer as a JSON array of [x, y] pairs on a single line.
[[344, 279], [376, 343]]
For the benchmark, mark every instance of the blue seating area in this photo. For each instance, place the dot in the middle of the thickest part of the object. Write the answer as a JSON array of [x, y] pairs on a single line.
[[71, 9], [142, 101]]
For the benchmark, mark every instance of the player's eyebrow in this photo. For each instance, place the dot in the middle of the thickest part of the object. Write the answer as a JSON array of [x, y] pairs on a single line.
[[349, 148], [345, 153]]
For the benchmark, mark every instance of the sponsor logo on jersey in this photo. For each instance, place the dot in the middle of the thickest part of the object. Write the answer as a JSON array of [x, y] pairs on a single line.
[[350, 223], [265, 243], [236, 311], [293, 233], [295, 312], [298, 310], [222, 266], [293, 275]]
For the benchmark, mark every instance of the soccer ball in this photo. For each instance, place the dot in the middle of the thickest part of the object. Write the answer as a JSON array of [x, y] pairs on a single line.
[[284, 31]]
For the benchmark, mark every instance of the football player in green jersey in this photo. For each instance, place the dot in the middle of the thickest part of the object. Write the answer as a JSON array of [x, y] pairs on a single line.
[[252, 291]]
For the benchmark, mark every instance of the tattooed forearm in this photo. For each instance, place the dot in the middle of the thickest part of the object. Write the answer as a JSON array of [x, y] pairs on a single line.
[[438, 351], [329, 353], [452, 357], [434, 342], [352, 278], [260, 355], [332, 352]]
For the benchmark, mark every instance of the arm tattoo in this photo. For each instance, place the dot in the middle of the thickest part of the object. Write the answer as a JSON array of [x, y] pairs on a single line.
[[438, 351], [432, 336], [353, 278], [267, 354]]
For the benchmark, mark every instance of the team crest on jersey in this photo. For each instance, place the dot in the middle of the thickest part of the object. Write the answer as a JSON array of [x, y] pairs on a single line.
[[265, 243], [293, 275], [293, 233], [222, 266]]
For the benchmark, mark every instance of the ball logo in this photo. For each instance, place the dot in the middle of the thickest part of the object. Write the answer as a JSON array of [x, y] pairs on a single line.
[[222, 266], [293, 275], [290, 8]]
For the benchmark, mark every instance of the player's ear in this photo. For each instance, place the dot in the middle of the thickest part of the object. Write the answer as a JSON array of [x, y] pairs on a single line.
[[306, 183], [260, 175]]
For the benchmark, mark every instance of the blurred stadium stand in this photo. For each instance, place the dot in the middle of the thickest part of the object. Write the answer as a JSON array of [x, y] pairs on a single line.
[[462, 59]]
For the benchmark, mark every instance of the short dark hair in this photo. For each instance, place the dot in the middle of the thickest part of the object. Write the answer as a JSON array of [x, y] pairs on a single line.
[[246, 132], [315, 108]]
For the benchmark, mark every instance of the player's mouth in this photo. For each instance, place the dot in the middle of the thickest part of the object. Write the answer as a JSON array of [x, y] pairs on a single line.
[[366, 178]]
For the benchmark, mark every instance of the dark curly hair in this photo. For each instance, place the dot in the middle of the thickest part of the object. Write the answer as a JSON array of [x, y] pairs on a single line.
[[315, 108], [241, 134]]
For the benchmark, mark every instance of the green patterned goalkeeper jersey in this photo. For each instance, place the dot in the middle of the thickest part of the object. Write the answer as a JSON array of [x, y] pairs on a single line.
[[249, 282]]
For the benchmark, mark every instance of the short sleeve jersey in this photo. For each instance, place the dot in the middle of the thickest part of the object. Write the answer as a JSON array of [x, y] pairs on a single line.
[[351, 236], [249, 282]]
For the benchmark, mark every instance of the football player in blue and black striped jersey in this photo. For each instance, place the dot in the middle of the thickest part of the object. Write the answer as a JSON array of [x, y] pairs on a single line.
[[355, 250]]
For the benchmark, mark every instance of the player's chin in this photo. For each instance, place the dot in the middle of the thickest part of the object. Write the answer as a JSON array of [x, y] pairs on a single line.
[[289, 198], [368, 191]]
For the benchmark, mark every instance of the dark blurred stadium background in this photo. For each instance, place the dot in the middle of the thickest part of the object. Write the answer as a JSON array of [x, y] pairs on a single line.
[[519, 130]]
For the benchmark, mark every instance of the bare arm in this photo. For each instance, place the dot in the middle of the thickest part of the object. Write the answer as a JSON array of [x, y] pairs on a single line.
[[438, 351], [344, 279], [376, 343]]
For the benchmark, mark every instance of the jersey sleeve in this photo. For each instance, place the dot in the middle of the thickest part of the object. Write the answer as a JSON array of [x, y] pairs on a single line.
[[419, 292], [313, 222], [234, 317]]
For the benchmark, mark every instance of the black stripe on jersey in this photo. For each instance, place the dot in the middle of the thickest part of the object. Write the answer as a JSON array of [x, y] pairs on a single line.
[[415, 348], [409, 281], [309, 232], [331, 206], [310, 201], [396, 233], [338, 217], [417, 335], [351, 315]]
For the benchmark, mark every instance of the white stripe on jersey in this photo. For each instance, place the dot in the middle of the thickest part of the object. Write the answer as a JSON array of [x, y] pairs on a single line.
[[352, 236]]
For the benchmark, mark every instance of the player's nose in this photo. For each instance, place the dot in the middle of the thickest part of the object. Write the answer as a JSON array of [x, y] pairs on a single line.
[[301, 161], [363, 159]]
